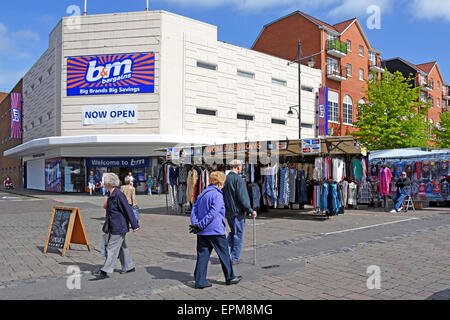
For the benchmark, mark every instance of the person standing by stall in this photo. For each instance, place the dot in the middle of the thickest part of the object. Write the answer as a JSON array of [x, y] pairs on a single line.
[[130, 175], [403, 190], [237, 205]]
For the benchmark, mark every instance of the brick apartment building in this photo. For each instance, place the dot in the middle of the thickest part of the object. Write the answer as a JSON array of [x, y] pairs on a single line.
[[9, 166], [343, 53], [428, 75]]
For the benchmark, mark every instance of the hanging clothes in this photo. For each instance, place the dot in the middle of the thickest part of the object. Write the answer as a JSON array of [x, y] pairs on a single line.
[[292, 185], [352, 194], [302, 189], [345, 193], [384, 179], [365, 193]]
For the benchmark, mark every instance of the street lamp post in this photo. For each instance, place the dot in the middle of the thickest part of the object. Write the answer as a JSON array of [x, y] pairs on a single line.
[[310, 64]]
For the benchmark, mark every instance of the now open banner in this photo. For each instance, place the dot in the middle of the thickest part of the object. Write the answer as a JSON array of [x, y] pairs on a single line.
[[110, 114]]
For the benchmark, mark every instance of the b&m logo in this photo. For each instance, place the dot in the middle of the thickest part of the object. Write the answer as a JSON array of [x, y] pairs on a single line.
[[16, 115], [111, 74]]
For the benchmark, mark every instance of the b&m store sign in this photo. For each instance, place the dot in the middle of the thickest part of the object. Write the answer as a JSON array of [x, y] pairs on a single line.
[[111, 74]]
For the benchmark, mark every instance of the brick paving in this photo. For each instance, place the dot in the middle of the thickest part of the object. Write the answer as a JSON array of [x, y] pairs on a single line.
[[414, 263]]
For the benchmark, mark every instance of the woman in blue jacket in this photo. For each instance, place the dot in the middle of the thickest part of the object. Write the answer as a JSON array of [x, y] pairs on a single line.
[[208, 222], [120, 217]]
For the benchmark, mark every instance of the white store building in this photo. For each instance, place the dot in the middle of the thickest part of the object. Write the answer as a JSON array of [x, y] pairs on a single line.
[[114, 88]]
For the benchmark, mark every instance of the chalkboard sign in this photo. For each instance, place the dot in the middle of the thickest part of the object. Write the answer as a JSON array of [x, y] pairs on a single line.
[[66, 227], [59, 228]]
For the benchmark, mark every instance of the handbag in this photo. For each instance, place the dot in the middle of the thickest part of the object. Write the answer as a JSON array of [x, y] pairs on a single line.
[[106, 228]]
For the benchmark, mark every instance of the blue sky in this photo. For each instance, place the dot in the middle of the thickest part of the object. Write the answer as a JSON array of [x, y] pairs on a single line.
[[416, 30]]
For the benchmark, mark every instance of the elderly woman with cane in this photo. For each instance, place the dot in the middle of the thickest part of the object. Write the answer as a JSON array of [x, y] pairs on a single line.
[[208, 222], [118, 218]]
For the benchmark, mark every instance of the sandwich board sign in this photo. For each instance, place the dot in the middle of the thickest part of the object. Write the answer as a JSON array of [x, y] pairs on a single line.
[[66, 227]]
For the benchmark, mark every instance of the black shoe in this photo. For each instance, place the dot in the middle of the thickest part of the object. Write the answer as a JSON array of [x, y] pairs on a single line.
[[129, 271], [100, 275], [207, 286], [234, 281]]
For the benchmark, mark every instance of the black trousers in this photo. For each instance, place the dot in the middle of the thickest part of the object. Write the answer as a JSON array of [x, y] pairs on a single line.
[[205, 244]]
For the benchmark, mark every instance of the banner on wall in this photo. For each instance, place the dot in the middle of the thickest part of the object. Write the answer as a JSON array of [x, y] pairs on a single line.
[[110, 114], [53, 178], [323, 112], [16, 108], [111, 74]]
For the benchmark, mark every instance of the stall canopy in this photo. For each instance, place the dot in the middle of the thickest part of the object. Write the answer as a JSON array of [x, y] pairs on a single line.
[[407, 153], [345, 145]]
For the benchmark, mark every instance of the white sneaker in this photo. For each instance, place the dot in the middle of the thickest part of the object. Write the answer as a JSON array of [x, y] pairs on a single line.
[[393, 211]]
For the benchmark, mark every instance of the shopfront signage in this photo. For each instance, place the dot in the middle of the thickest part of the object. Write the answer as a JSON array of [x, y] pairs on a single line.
[[173, 154], [110, 114], [141, 162], [311, 146], [111, 74]]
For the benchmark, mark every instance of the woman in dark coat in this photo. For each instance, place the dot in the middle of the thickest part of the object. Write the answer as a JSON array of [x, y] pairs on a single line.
[[120, 216]]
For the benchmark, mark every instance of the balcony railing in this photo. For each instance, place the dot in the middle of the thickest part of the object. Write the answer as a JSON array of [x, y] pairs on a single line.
[[336, 48], [334, 72], [375, 66], [426, 86]]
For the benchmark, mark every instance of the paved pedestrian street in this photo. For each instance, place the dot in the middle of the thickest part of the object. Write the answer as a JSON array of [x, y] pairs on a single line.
[[360, 255]]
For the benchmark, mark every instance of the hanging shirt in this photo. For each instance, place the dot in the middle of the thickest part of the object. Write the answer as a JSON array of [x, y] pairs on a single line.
[[352, 193], [426, 169], [443, 170]]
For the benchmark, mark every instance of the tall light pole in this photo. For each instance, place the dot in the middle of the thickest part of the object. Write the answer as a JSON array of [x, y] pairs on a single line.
[[310, 64]]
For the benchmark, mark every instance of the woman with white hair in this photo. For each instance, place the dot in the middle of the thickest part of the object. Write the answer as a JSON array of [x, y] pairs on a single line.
[[119, 216]]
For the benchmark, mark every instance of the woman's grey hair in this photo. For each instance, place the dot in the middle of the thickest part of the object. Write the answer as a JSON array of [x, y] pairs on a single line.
[[127, 180], [111, 179]]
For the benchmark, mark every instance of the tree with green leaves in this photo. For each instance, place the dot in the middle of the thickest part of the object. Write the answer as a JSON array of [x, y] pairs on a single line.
[[393, 115], [442, 133]]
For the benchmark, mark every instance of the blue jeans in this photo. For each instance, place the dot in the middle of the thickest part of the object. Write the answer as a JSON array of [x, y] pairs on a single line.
[[398, 199], [136, 213], [205, 244], [236, 235]]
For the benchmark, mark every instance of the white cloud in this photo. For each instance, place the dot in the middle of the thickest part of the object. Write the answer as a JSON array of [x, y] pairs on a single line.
[[26, 35], [353, 8], [430, 9]]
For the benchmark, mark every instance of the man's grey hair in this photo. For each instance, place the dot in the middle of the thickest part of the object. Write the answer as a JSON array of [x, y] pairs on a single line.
[[235, 163], [111, 179]]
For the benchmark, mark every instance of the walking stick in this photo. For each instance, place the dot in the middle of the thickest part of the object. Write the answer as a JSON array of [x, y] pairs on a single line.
[[254, 241]]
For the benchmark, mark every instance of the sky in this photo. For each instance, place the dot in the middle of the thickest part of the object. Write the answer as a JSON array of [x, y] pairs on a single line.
[[415, 30]]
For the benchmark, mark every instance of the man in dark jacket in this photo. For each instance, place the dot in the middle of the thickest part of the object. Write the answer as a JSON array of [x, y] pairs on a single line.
[[403, 190], [237, 205]]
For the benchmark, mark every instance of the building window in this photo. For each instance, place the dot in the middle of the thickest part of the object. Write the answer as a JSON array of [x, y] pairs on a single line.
[[373, 57], [361, 51], [370, 76], [331, 37], [348, 110], [40, 120], [333, 106], [32, 124], [49, 71], [431, 101], [438, 84], [307, 125], [278, 121], [349, 45], [40, 80], [245, 117], [205, 65], [207, 112], [361, 74], [279, 82], [431, 82], [309, 89], [349, 70], [49, 115], [438, 102], [246, 74]]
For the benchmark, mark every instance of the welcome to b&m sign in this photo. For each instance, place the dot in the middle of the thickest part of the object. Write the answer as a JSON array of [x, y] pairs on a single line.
[[111, 74]]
